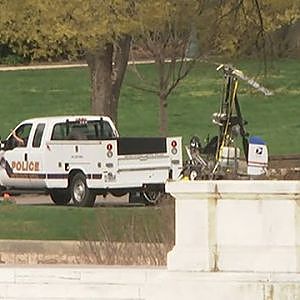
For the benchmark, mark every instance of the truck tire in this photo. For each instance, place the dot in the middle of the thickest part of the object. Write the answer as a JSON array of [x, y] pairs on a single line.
[[80, 193], [60, 197], [151, 197], [118, 193], [146, 197]]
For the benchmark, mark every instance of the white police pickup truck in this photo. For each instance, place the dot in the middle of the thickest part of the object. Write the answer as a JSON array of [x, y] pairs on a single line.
[[78, 157]]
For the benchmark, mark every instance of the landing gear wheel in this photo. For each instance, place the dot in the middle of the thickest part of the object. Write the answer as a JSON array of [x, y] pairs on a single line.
[[81, 194], [60, 197], [194, 174]]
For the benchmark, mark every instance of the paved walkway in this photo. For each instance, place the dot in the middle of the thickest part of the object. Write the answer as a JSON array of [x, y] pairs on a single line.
[[59, 66], [40, 199], [41, 67]]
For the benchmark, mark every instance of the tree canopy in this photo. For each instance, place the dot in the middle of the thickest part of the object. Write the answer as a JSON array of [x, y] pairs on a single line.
[[102, 30], [244, 26], [45, 27]]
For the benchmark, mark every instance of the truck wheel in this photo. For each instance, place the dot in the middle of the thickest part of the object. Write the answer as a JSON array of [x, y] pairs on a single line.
[[60, 197], [147, 197], [81, 194], [151, 197], [118, 193]]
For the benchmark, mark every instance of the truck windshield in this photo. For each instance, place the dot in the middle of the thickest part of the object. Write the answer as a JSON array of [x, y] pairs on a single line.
[[79, 130]]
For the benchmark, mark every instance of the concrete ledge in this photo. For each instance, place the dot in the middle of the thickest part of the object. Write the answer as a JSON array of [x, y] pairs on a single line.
[[74, 282], [122, 283], [236, 187]]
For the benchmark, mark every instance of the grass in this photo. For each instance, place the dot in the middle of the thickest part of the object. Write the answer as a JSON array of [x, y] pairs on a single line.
[[25, 222], [71, 223], [26, 94]]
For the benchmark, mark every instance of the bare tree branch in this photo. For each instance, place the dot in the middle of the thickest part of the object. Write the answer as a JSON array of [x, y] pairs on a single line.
[[144, 89], [262, 34]]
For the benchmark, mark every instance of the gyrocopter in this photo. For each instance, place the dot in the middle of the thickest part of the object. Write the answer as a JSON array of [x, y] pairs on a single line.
[[221, 155]]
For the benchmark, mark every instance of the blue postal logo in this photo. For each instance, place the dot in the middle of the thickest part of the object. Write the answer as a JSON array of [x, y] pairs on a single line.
[[259, 150]]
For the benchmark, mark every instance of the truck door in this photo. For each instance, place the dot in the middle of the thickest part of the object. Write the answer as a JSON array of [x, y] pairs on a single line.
[[36, 151], [16, 158]]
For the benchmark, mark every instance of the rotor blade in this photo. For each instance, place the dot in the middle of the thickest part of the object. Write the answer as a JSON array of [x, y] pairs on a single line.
[[252, 82], [230, 70]]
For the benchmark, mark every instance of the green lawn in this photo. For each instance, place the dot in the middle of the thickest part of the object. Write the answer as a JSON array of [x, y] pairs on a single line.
[[72, 223], [26, 94]]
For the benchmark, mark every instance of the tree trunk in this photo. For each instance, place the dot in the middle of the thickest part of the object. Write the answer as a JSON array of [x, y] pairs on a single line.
[[163, 115], [163, 101], [100, 64], [120, 65], [107, 78]]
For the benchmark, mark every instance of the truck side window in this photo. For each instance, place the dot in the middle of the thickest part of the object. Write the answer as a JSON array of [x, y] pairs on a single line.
[[37, 139], [59, 132], [19, 138], [90, 130], [104, 130], [78, 132]]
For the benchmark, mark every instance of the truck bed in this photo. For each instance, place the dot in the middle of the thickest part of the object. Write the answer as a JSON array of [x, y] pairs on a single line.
[[141, 145]]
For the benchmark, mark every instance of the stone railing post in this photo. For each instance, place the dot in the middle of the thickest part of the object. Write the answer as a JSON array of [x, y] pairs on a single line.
[[236, 226]]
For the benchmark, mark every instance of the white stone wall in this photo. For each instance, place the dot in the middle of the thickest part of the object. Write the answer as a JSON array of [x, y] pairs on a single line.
[[120, 283], [73, 282]]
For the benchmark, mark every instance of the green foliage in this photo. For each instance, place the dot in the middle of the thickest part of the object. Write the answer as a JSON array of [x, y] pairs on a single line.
[[49, 28], [8, 57], [236, 28], [40, 28], [12, 59], [175, 13], [43, 29]]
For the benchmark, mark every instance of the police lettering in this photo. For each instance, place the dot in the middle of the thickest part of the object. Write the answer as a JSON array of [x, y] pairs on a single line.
[[26, 166]]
